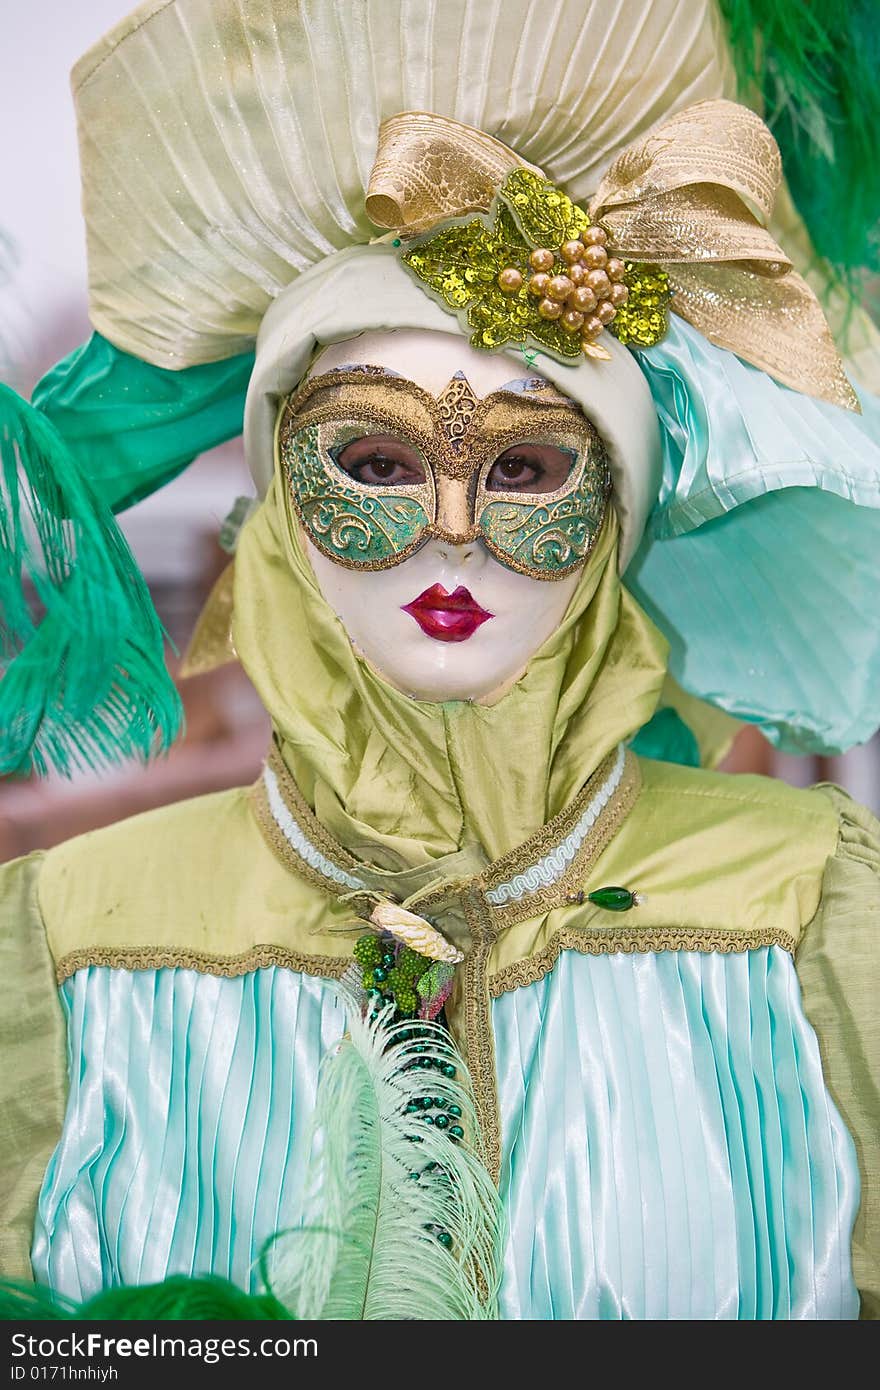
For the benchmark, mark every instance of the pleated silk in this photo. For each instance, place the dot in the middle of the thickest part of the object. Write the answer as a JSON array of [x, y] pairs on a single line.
[[670, 1149]]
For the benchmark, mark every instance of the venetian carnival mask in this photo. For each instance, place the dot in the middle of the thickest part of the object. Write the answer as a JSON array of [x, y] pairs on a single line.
[[436, 512]]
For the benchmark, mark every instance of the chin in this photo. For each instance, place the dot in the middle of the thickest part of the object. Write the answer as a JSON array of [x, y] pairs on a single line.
[[435, 672]]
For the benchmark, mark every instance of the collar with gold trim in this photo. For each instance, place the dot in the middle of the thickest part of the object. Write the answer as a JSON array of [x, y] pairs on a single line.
[[537, 876]]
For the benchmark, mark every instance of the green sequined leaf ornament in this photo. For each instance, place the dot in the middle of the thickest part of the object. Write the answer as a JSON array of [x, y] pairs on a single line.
[[481, 269], [644, 319], [460, 265], [544, 214]]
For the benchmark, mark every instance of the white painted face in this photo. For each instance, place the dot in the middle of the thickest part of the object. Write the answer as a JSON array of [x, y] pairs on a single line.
[[475, 647]]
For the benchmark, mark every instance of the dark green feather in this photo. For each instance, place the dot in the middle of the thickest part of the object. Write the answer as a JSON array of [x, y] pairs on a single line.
[[814, 65], [179, 1299]]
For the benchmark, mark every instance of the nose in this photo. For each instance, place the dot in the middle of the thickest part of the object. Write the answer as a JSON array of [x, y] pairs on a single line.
[[464, 552]]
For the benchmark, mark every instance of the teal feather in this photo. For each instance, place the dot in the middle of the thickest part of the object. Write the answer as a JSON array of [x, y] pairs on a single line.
[[81, 648], [366, 1245], [84, 681]]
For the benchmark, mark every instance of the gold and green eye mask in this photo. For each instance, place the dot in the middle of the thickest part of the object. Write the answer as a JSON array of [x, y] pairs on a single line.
[[453, 468]]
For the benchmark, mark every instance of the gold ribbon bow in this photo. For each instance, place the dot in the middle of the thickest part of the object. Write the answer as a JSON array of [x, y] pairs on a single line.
[[691, 197]]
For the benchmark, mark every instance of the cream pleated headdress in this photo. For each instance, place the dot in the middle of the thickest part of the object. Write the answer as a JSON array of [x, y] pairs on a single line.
[[227, 145]]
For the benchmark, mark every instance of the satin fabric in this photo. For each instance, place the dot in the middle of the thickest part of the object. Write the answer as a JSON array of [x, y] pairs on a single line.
[[186, 1123], [132, 427], [670, 1150], [760, 559]]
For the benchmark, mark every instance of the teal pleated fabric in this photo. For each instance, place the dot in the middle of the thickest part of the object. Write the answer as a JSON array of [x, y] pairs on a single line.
[[759, 562], [189, 1101], [670, 1149]]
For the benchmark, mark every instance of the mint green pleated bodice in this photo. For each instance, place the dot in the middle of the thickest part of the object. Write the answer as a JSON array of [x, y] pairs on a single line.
[[669, 1146]]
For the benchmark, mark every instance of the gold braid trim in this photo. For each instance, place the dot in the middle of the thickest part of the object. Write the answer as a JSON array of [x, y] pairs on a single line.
[[629, 941], [160, 958], [551, 835], [308, 822], [478, 1037]]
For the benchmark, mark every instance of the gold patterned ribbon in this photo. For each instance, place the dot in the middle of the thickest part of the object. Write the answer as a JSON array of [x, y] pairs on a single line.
[[691, 196]]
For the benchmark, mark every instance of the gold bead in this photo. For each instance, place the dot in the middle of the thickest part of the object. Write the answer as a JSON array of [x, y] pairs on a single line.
[[605, 312], [542, 259], [538, 283], [577, 273], [583, 299], [550, 309], [619, 295], [595, 257], [615, 269], [571, 251], [560, 287], [594, 236], [510, 280], [572, 321], [599, 283], [592, 328]]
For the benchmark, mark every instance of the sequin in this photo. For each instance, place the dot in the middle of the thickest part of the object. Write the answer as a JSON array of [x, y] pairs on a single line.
[[461, 263]]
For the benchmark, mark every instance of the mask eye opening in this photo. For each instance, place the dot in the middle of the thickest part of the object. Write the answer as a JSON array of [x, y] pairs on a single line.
[[530, 468], [379, 459]]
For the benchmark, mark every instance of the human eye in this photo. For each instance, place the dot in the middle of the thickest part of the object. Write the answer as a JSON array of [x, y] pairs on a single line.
[[530, 468], [381, 460]]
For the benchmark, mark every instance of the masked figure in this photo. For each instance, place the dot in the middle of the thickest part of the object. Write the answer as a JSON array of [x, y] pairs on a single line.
[[560, 472]]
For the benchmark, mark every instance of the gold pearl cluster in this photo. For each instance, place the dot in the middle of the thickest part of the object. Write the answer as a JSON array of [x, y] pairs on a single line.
[[583, 293]]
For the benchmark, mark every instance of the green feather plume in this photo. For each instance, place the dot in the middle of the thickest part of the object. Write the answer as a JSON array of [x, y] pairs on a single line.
[[385, 1189], [178, 1298], [82, 673], [814, 65]]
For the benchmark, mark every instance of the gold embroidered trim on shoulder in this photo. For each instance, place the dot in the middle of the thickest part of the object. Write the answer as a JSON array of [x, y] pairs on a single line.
[[548, 839], [312, 830], [628, 942], [162, 958]]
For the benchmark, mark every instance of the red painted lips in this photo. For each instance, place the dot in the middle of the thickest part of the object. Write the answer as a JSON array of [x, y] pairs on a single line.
[[447, 617]]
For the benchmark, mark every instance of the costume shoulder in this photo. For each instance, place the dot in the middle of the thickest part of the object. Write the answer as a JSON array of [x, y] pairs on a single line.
[[729, 862], [33, 1078], [195, 885], [838, 965]]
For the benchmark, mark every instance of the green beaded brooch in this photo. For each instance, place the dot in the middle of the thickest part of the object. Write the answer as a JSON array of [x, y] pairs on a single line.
[[394, 973]]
